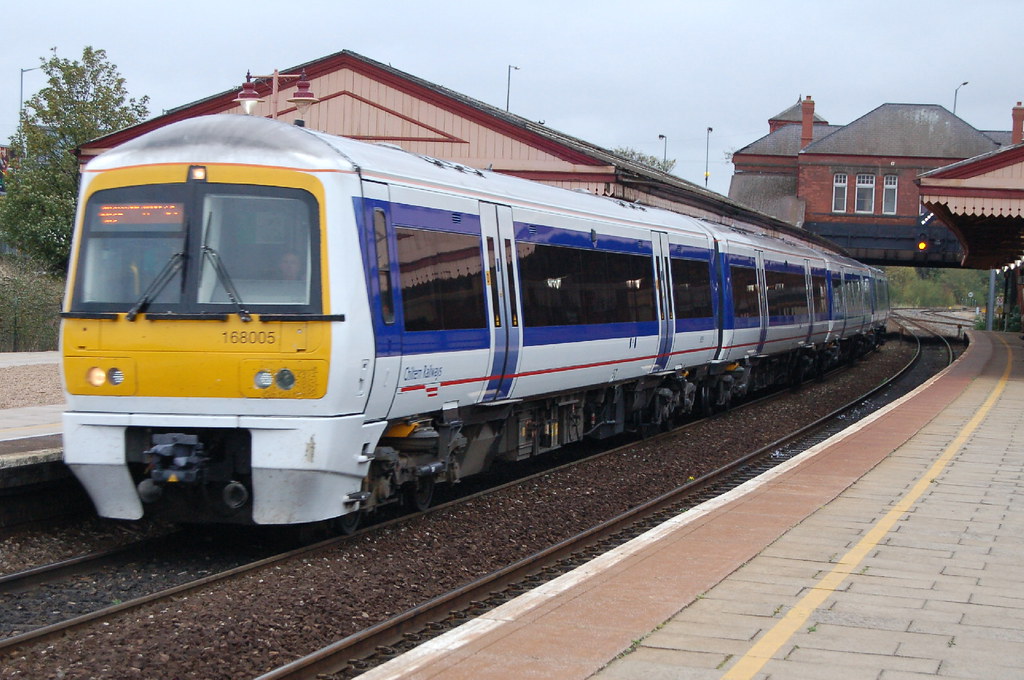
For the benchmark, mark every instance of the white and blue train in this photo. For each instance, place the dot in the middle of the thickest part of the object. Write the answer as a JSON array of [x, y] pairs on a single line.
[[266, 324]]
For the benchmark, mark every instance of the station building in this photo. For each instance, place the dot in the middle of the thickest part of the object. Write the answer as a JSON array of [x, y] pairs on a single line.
[[854, 184]]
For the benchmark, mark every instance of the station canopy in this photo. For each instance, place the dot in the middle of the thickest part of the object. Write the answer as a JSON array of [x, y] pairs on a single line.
[[981, 200]]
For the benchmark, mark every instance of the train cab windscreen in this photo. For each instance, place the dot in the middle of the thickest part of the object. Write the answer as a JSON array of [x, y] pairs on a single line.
[[198, 248]]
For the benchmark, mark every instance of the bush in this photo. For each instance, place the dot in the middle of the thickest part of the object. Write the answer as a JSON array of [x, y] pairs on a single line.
[[30, 303]]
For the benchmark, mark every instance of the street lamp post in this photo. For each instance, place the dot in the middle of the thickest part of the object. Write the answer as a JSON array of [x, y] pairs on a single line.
[[707, 150], [21, 90], [955, 93], [664, 149], [508, 84]]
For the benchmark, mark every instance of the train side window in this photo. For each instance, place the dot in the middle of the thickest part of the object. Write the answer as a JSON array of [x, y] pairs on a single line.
[[787, 294], [442, 280], [512, 295], [691, 283], [387, 296], [838, 299], [745, 292], [820, 294], [493, 282], [566, 286]]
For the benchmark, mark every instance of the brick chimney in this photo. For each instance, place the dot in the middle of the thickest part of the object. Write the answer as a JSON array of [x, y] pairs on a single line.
[[806, 121], [1017, 131]]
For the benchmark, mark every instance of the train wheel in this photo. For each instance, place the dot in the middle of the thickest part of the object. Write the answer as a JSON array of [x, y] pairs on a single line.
[[348, 523], [420, 496], [798, 374], [312, 532], [707, 406]]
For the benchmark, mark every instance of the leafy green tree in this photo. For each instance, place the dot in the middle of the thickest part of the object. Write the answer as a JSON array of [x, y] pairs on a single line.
[[665, 165], [81, 101], [937, 287]]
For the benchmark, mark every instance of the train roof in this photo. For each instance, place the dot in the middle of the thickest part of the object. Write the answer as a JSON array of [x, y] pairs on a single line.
[[228, 138], [248, 140], [224, 138]]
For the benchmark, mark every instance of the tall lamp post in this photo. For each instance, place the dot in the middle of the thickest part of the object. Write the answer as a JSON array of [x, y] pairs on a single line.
[[664, 149], [707, 150], [21, 90], [508, 84], [21, 112], [955, 93]]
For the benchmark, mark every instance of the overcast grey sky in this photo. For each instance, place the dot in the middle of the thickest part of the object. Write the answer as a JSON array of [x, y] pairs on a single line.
[[612, 73]]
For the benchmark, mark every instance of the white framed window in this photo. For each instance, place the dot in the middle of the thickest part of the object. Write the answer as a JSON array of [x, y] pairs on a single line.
[[865, 200], [839, 192], [890, 183]]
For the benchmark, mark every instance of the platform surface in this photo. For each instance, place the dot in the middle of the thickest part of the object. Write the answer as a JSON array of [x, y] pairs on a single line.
[[18, 426], [893, 551]]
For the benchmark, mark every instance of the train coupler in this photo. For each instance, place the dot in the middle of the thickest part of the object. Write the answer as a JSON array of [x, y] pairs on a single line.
[[176, 458]]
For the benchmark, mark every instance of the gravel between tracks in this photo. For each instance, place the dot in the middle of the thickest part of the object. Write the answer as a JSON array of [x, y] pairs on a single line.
[[249, 625]]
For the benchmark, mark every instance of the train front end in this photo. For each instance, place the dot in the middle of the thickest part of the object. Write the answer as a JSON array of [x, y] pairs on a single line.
[[208, 304]]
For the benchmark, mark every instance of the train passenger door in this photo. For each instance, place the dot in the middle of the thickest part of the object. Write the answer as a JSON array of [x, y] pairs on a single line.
[[380, 282], [503, 298], [762, 303], [809, 297], [666, 309], [839, 303]]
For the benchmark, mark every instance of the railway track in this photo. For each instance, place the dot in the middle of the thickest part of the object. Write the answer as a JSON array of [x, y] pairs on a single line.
[[908, 322], [940, 323], [455, 606]]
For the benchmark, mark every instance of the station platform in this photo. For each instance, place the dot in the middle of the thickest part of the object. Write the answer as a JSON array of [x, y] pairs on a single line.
[[30, 437], [892, 551]]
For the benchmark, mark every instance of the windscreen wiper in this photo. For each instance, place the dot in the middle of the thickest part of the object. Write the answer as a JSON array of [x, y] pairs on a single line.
[[225, 280], [172, 267]]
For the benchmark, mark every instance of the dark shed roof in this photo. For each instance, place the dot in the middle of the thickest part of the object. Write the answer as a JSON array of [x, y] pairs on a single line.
[[915, 130], [785, 141]]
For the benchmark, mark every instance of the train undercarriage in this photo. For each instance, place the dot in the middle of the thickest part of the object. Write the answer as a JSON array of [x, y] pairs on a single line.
[[206, 474], [417, 454]]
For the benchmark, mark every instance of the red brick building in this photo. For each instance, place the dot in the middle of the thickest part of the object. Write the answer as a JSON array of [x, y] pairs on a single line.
[[855, 184]]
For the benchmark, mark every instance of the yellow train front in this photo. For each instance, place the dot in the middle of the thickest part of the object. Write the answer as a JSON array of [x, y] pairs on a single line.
[[200, 323]]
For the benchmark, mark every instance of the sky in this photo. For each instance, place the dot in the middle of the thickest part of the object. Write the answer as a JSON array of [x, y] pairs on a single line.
[[614, 73]]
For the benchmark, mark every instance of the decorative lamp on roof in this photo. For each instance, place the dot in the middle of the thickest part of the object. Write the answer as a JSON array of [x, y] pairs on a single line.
[[303, 98], [247, 97]]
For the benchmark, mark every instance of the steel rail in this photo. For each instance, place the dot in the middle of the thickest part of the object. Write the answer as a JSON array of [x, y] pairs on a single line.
[[47, 573], [924, 327]]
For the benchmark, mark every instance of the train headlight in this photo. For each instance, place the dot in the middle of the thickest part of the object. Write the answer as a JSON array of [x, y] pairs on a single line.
[[115, 376], [263, 380], [96, 376], [285, 379]]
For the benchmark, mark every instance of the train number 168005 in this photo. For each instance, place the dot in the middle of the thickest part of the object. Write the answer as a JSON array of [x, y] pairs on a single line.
[[249, 337]]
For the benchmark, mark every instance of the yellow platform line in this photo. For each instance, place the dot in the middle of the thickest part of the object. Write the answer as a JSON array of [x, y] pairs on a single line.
[[765, 649], [29, 430]]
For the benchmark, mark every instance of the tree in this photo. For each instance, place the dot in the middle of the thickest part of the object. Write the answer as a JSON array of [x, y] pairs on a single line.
[[937, 287], [665, 165], [82, 100]]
